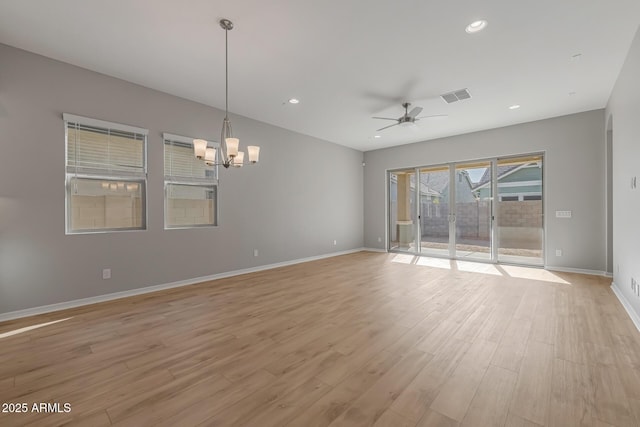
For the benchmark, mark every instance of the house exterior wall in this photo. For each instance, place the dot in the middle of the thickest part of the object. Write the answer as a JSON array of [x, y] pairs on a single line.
[[522, 175]]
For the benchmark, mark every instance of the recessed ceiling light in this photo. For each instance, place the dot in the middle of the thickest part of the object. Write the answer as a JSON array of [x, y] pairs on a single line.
[[476, 26], [377, 136], [294, 101], [514, 107]]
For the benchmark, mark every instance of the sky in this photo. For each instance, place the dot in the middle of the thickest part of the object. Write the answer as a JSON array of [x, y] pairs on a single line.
[[476, 174]]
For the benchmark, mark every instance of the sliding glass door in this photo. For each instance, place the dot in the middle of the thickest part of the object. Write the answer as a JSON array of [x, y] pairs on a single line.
[[473, 211], [434, 210], [520, 215], [488, 210]]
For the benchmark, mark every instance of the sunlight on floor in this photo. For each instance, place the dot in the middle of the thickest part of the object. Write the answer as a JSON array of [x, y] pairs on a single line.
[[481, 267], [533, 274], [433, 262], [405, 259], [478, 267], [30, 328]]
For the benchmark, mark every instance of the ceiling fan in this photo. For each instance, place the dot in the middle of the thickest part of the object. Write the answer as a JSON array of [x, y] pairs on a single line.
[[409, 117]]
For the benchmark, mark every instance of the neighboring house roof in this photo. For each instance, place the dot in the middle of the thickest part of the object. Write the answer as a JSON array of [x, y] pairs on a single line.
[[437, 184], [435, 181], [502, 170]]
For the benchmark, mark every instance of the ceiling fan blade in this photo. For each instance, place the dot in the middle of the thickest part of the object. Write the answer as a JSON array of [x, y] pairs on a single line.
[[383, 118], [395, 124], [434, 117], [414, 113]]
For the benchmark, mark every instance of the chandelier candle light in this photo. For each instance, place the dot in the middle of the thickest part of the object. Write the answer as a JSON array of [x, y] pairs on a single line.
[[230, 157]]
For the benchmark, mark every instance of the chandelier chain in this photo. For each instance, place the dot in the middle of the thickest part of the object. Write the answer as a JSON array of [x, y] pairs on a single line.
[[226, 72]]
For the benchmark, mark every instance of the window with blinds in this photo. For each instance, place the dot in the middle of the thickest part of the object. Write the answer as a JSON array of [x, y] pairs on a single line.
[[191, 187], [106, 175]]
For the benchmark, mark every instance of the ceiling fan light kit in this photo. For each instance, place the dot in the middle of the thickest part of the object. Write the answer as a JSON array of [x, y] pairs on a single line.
[[231, 156]]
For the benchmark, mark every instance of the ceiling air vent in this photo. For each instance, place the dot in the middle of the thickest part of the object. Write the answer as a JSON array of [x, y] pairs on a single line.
[[456, 96]]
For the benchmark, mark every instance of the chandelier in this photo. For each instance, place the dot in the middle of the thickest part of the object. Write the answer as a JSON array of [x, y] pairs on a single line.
[[229, 156]]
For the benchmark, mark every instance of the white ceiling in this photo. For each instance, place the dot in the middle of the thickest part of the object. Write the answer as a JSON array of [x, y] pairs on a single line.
[[346, 60]]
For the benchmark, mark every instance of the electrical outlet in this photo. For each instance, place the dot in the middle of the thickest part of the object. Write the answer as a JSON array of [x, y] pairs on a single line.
[[106, 273], [255, 252], [335, 242], [379, 239], [558, 252]]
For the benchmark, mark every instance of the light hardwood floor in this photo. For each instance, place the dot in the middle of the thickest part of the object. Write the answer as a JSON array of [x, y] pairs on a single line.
[[356, 340]]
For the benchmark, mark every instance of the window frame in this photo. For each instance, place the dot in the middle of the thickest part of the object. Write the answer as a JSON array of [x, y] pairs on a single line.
[[141, 178], [169, 180]]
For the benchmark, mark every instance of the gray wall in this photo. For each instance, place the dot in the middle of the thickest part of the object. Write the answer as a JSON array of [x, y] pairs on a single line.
[[302, 195], [624, 112], [574, 179]]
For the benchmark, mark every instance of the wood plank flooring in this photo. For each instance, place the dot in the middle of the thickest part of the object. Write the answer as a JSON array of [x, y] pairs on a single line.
[[366, 339]]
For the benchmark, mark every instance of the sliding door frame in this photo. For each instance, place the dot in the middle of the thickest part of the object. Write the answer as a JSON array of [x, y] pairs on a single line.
[[495, 198]]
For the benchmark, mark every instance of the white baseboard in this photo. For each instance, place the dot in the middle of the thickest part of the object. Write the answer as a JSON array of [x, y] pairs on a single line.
[[580, 271], [147, 289], [627, 305]]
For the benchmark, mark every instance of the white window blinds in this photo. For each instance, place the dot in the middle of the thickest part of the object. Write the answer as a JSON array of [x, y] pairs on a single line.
[[97, 147], [181, 165], [106, 176]]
